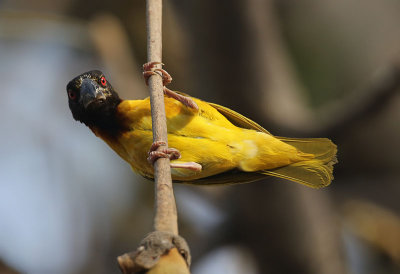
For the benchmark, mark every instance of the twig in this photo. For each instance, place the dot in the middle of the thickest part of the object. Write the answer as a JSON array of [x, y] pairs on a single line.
[[162, 251], [165, 216]]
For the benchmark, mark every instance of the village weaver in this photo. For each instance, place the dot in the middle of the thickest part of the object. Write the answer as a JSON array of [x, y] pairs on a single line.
[[208, 143]]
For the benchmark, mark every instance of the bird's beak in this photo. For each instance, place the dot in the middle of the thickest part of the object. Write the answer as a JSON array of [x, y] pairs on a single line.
[[90, 92]]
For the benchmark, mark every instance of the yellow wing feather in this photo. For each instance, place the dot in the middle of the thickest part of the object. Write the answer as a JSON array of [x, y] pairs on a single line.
[[315, 173], [238, 119], [209, 137]]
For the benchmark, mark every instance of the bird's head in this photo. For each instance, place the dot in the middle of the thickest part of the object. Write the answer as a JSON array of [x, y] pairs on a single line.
[[92, 99]]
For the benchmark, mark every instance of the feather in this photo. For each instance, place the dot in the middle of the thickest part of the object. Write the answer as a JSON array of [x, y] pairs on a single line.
[[229, 147], [315, 173]]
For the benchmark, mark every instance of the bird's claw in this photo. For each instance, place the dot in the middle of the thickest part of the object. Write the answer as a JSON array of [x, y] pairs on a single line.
[[172, 154], [149, 70], [154, 154]]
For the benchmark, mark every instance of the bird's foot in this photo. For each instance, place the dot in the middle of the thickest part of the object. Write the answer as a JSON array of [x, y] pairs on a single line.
[[154, 154], [170, 153], [149, 70]]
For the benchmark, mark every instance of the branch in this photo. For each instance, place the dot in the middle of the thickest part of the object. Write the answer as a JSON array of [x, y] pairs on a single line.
[[165, 217], [162, 251], [159, 252]]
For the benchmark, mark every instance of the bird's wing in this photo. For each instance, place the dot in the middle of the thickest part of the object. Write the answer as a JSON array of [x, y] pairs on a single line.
[[235, 118], [234, 176], [238, 119], [314, 173]]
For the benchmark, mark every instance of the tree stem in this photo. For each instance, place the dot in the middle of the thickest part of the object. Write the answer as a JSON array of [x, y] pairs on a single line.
[[165, 208]]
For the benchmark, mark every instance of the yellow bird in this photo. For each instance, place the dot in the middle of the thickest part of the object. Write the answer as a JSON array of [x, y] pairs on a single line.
[[209, 143]]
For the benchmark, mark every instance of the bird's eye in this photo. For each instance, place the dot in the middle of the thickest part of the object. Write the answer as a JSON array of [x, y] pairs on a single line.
[[103, 81], [71, 94]]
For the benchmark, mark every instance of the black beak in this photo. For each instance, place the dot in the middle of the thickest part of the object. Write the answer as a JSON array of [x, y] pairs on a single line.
[[90, 92]]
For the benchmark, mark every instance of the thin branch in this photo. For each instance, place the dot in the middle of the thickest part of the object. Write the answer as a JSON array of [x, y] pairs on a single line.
[[163, 250], [165, 216]]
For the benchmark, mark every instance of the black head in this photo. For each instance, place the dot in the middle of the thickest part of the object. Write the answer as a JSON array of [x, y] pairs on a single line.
[[92, 99]]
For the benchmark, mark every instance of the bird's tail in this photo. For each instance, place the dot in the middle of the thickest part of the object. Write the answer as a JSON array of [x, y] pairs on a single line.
[[316, 172]]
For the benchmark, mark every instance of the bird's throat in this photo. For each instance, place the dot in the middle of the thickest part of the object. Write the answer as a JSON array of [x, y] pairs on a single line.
[[104, 118]]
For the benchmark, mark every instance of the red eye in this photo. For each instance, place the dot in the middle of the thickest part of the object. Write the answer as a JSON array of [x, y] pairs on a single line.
[[71, 94], [103, 81]]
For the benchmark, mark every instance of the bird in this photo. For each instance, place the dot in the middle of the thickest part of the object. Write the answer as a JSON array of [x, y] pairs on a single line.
[[208, 144]]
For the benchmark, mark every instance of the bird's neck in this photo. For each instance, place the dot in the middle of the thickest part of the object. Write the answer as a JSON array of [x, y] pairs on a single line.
[[105, 120]]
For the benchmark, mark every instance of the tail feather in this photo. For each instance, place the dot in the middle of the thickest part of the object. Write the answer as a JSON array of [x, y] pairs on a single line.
[[316, 172]]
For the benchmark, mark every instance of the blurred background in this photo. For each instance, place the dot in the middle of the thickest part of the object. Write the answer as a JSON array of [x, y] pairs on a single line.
[[68, 204]]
